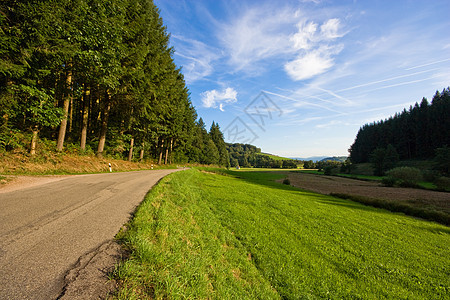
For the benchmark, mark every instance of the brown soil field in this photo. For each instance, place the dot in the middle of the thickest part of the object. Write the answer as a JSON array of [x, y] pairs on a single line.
[[331, 184]]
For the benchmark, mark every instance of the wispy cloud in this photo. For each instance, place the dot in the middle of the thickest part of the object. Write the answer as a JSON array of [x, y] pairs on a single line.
[[254, 35], [214, 98], [386, 80], [404, 83], [332, 123], [345, 100], [313, 1], [198, 58], [303, 47], [429, 64], [302, 103]]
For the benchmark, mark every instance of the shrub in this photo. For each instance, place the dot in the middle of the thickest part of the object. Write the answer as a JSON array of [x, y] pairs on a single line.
[[289, 164], [388, 181], [443, 183], [383, 159], [430, 176], [287, 181], [331, 170], [442, 160], [405, 176], [13, 140]]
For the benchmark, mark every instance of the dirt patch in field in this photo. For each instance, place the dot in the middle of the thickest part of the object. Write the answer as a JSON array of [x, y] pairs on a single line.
[[332, 184]]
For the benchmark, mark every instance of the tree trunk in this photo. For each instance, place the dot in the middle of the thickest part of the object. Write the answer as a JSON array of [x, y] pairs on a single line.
[[84, 126], [67, 99], [166, 156], [70, 114], [141, 154], [171, 148], [34, 140], [161, 151], [6, 115], [130, 153], [101, 142]]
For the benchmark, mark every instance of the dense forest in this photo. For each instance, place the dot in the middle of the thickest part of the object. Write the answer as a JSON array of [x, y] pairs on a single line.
[[97, 75], [412, 134]]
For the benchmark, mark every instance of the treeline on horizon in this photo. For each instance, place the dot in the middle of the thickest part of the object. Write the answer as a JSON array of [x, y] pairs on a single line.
[[247, 156], [250, 156], [98, 76], [414, 134]]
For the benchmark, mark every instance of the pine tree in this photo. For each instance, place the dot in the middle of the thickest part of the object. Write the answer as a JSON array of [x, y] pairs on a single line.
[[108, 67], [217, 138]]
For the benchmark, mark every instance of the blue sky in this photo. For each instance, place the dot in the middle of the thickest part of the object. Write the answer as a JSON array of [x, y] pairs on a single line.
[[299, 78]]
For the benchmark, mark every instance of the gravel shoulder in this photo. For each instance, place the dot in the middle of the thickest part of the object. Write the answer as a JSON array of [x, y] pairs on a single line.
[[15, 183]]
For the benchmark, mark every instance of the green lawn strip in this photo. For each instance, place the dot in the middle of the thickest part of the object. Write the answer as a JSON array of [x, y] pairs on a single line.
[[316, 172], [262, 170], [361, 177], [276, 238], [428, 186], [179, 249]]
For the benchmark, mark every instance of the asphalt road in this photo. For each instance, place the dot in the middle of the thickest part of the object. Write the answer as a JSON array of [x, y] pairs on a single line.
[[45, 229]]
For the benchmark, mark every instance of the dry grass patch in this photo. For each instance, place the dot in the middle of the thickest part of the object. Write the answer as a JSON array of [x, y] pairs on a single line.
[[56, 163]]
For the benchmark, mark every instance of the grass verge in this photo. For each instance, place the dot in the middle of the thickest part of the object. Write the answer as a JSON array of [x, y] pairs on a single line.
[[203, 235], [53, 163]]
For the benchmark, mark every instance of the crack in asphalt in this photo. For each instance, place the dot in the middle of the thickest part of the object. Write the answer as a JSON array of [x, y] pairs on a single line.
[[88, 278]]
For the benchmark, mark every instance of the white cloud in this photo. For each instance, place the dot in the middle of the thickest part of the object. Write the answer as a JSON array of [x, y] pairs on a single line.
[[307, 36], [315, 49], [213, 98], [330, 29], [287, 36], [303, 39], [308, 65]]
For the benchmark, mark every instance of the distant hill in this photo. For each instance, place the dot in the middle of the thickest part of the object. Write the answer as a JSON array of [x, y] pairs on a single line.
[[313, 158], [335, 158], [275, 157]]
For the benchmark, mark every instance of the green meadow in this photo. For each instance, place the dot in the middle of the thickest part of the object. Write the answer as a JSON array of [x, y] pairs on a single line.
[[275, 157], [240, 235]]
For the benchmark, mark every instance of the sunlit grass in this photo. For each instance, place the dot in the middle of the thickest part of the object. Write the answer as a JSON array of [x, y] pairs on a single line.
[[202, 235], [261, 170], [274, 157]]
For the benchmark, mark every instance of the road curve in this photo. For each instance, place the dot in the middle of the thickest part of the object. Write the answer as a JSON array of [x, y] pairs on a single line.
[[44, 230]]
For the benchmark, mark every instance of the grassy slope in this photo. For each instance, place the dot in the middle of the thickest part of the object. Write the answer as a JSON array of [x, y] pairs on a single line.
[[275, 157], [53, 163], [200, 235]]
